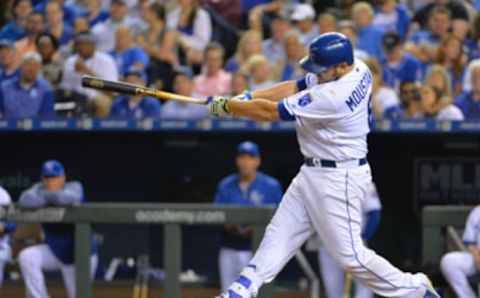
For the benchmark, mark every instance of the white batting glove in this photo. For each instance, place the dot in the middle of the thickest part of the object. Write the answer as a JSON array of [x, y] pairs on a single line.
[[217, 105], [245, 96]]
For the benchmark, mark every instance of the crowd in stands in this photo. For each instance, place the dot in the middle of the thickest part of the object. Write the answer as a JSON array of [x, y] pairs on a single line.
[[425, 58]]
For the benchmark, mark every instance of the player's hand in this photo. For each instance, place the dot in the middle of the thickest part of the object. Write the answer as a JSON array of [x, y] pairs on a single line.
[[245, 96], [477, 261], [217, 105]]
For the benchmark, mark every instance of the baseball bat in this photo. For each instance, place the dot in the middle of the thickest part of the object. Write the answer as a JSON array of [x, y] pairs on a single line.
[[132, 89], [348, 285]]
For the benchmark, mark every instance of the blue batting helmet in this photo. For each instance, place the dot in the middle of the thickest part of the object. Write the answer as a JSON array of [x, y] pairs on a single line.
[[328, 50], [52, 168]]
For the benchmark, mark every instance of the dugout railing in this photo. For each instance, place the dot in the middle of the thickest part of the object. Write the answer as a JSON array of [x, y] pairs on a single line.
[[171, 216]]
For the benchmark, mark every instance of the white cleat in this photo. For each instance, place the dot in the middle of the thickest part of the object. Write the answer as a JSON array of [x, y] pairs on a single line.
[[243, 287]]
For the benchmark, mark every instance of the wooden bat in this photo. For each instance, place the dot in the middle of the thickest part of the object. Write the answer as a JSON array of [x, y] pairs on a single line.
[[348, 285], [132, 89]]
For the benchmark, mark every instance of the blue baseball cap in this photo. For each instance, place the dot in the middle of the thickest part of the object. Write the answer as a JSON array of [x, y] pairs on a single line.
[[6, 43], [248, 147], [52, 168]]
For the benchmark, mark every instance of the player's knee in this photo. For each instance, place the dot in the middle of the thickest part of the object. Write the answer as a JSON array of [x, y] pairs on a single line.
[[449, 261], [27, 258]]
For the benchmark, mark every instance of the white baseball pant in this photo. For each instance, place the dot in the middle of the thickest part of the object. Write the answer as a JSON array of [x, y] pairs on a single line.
[[456, 267], [231, 263], [333, 277], [328, 201], [35, 259], [5, 257]]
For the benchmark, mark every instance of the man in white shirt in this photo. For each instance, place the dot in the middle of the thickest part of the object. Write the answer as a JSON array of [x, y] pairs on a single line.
[[303, 18]]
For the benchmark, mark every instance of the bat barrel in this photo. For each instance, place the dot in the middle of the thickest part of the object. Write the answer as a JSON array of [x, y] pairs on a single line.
[[100, 84]]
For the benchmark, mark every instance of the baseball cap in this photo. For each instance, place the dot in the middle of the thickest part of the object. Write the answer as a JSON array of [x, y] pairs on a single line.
[[121, 2], [6, 43], [32, 57], [183, 70], [52, 168], [85, 37], [390, 40], [302, 12], [136, 72], [248, 147]]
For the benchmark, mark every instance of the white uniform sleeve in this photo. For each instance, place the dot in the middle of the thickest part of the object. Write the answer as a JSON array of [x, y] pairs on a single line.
[[312, 104], [372, 200], [470, 235]]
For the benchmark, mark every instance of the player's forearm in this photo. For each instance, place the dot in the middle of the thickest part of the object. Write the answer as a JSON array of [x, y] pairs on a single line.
[[473, 249], [256, 109], [277, 92]]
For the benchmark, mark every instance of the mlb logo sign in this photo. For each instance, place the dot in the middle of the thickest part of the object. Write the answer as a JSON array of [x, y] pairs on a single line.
[[304, 100]]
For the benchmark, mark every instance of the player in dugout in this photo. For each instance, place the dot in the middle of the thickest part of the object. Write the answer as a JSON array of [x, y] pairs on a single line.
[[56, 254], [247, 187]]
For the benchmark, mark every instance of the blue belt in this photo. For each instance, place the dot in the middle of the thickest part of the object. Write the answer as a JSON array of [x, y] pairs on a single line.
[[325, 163]]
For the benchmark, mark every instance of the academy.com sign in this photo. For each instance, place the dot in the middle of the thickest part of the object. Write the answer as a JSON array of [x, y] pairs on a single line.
[[182, 216]]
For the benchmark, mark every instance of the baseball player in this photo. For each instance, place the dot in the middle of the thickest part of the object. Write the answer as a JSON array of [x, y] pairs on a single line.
[[58, 250], [248, 187], [457, 266], [331, 108], [332, 274], [6, 228]]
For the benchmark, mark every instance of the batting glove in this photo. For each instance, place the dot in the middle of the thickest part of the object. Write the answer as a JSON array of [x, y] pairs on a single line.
[[217, 105], [245, 96]]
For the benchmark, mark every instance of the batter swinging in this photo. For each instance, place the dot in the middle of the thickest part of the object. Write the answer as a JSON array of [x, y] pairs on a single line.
[[332, 110]]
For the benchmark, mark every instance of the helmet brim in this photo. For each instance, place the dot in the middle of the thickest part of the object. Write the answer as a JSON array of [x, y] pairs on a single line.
[[310, 66]]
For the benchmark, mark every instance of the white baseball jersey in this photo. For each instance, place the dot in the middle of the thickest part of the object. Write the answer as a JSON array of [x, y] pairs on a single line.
[[331, 118], [471, 235]]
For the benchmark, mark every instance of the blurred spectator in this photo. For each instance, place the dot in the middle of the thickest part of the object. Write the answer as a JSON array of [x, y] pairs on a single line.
[[95, 14], [469, 101], [183, 85], [347, 28], [369, 36], [135, 106], [69, 10], [410, 99], [303, 18], [239, 83], [6, 228], [456, 10], [438, 78], [385, 101], [295, 50], [433, 105], [34, 27], [273, 46], [15, 29], [424, 43], [467, 78], [398, 65], [52, 66], [327, 22], [57, 253], [231, 10], [193, 28], [126, 54], [392, 17], [28, 95], [259, 72], [250, 44], [247, 187], [89, 61], [63, 32], [8, 64], [451, 56], [104, 32], [213, 80]]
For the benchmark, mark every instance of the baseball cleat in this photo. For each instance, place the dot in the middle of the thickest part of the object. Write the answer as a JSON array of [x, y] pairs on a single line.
[[241, 288]]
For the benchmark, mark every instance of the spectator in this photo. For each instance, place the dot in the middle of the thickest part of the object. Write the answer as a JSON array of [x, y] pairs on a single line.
[[437, 77], [424, 43], [467, 78], [393, 17], [6, 228], [69, 11], [213, 80], [433, 105], [47, 46], [126, 54], [250, 44], [239, 83], [456, 10], [27, 95], [273, 46], [458, 266], [295, 51], [95, 14], [135, 106], [8, 64], [303, 17], [451, 56], [398, 65], [327, 22], [369, 36], [57, 253], [346, 27], [104, 32], [248, 187], [15, 29], [89, 61], [193, 28], [410, 99], [27, 44], [259, 72], [55, 24], [172, 109], [385, 101], [469, 101]]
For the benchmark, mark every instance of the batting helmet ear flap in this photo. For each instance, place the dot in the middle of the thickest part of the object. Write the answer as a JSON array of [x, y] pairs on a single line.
[[328, 50]]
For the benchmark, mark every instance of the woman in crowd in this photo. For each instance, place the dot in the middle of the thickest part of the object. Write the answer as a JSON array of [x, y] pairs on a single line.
[[434, 106], [438, 78], [47, 46], [450, 55], [250, 44]]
